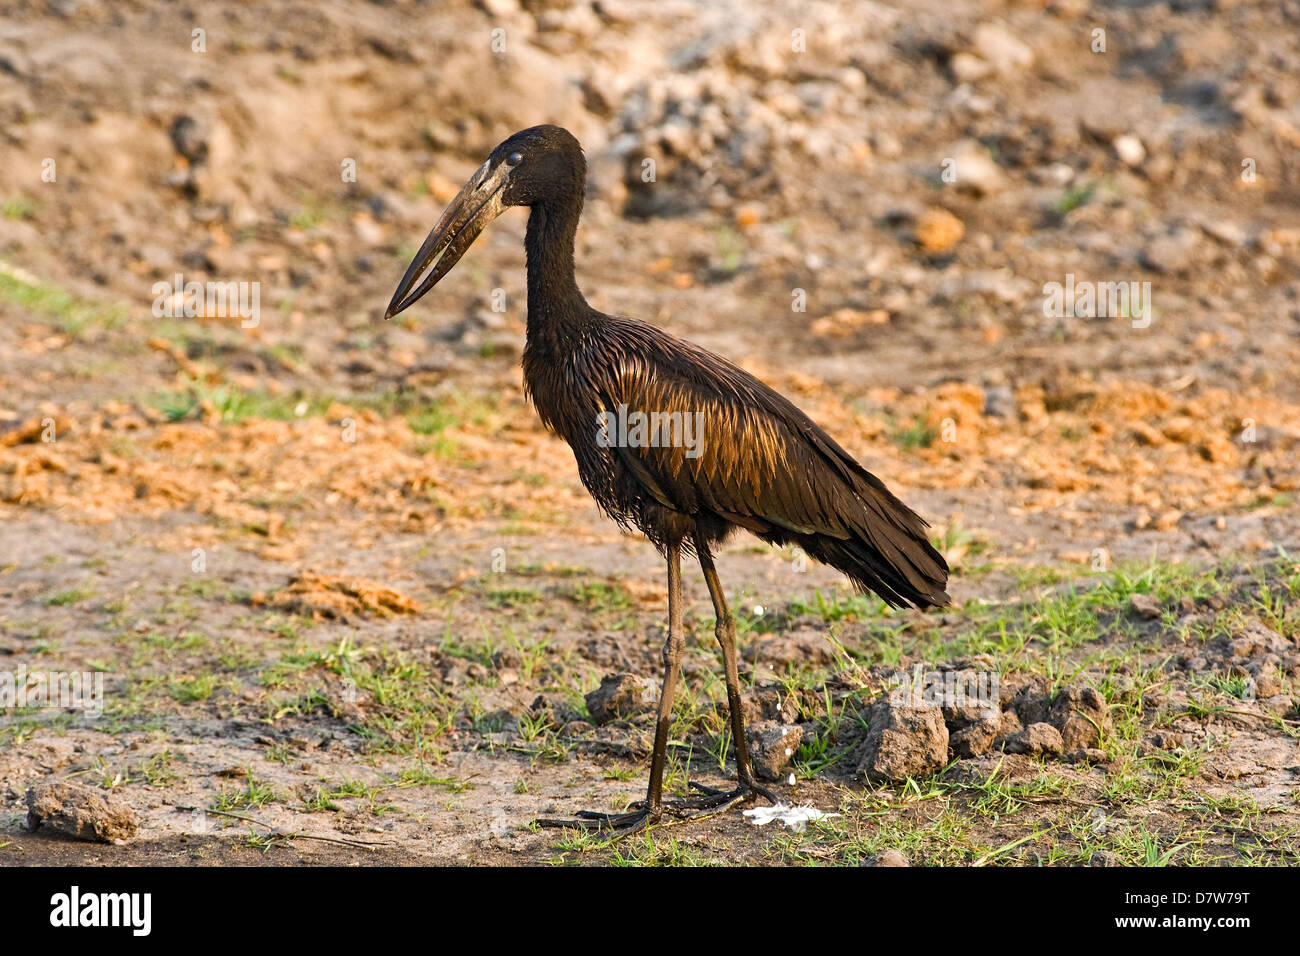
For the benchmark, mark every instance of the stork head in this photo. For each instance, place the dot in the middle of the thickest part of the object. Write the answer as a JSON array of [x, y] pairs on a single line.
[[536, 166]]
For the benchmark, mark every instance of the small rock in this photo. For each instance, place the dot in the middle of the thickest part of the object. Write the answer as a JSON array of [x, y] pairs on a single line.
[[888, 858], [976, 171], [769, 702], [904, 741], [81, 811], [1129, 149], [798, 647], [772, 746], [938, 230], [1159, 167], [1148, 436], [1080, 715], [975, 739], [886, 144], [1002, 49], [1256, 639], [1228, 233], [499, 721], [369, 232], [190, 139], [500, 9], [1277, 704], [961, 696], [1031, 703], [1089, 755], [621, 695], [759, 704], [1267, 684], [1000, 402], [1037, 740], [1009, 725], [508, 657], [1145, 606], [454, 672], [967, 67], [1172, 252]]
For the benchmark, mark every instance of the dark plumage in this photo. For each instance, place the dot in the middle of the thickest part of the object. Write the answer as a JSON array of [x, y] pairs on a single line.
[[761, 464]]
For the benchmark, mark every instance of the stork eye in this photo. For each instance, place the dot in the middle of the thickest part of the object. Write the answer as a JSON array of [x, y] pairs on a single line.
[[514, 159]]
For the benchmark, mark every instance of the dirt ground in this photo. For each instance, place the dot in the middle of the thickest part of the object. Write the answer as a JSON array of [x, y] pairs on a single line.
[[348, 597]]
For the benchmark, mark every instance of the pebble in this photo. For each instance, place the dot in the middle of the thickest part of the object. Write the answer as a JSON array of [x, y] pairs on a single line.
[[1130, 150]]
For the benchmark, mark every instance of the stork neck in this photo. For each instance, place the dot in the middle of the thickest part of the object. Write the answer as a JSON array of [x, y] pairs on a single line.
[[554, 300]]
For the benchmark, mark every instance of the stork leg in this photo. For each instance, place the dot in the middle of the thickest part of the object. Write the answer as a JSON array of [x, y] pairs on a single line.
[[651, 809], [725, 630]]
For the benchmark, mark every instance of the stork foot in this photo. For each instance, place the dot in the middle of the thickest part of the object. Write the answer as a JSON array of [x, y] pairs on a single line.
[[711, 798], [710, 801], [617, 824]]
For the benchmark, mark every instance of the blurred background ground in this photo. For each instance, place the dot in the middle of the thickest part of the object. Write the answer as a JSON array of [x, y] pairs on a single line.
[[1046, 451]]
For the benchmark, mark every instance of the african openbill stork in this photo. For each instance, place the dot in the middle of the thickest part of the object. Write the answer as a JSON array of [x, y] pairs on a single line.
[[763, 465]]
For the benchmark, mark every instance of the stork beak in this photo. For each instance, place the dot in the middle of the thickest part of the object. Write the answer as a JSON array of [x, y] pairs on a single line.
[[477, 204]]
